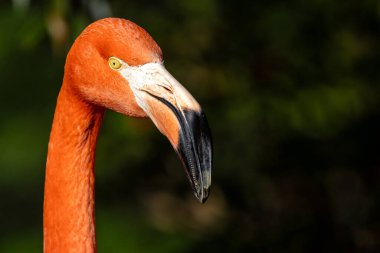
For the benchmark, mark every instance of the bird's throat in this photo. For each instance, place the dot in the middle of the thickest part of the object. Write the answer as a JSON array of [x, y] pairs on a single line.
[[69, 220]]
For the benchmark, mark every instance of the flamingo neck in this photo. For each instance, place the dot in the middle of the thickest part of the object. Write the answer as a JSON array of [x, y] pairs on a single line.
[[69, 215]]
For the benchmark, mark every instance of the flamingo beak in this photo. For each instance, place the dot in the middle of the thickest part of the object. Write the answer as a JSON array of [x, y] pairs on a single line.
[[179, 117]]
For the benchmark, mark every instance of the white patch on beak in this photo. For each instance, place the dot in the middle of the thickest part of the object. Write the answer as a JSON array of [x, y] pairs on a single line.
[[154, 79]]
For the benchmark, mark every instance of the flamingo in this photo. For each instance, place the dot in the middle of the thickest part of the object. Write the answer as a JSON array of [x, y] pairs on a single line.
[[113, 64]]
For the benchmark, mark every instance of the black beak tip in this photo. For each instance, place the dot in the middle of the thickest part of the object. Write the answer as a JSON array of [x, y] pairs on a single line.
[[194, 148], [195, 151], [206, 193], [202, 195]]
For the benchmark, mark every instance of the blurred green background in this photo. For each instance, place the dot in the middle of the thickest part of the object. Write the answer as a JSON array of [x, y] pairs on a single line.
[[291, 91]]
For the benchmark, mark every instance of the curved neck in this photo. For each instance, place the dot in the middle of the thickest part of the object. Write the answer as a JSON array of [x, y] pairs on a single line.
[[69, 216]]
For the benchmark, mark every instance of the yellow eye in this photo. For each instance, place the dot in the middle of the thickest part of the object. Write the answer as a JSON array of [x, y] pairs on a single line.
[[114, 63]]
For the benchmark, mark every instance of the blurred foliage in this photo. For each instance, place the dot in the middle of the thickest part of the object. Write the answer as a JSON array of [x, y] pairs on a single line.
[[291, 90]]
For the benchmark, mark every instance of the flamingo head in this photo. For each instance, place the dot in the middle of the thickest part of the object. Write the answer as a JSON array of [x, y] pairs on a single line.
[[116, 64]]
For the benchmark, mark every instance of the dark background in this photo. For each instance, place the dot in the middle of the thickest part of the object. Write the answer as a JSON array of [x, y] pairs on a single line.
[[291, 91]]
